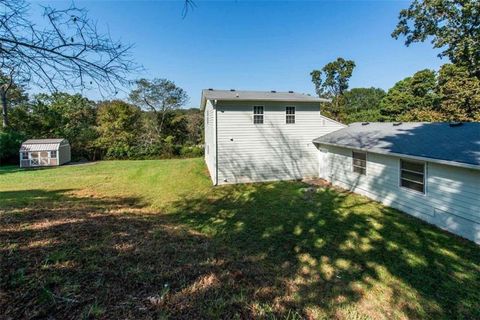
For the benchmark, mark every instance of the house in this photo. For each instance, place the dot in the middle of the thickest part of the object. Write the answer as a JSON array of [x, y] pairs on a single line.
[[428, 170], [44, 152], [253, 136]]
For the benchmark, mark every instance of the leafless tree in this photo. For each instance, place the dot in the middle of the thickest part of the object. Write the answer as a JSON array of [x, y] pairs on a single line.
[[160, 96], [67, 51]]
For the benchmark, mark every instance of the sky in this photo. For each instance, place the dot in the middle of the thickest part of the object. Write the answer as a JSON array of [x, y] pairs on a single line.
[[260, 45]]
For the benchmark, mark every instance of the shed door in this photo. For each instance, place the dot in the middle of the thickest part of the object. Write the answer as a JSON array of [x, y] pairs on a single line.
[[324, 164]]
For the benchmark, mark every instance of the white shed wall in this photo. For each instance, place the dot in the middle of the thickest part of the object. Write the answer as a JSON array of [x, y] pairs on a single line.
[[210, 140], [451, 201], [274, 150]]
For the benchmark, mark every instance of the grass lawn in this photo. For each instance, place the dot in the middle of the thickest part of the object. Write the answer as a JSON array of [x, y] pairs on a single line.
[[153, 239]]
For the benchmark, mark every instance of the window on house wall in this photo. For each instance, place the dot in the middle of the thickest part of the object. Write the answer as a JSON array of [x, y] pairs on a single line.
[[258, 114], [412, 175], [53, 154], [359, 162], [24, 155], [290, 115]]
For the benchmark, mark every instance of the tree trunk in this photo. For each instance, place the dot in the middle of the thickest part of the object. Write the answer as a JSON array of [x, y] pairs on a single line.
[[3, 98]]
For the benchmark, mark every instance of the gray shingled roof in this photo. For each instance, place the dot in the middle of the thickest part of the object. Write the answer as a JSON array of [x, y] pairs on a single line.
[[229, 95], [437, 140]]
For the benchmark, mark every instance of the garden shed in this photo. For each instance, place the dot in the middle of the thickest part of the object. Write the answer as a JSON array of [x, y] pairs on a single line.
[[44, 152]]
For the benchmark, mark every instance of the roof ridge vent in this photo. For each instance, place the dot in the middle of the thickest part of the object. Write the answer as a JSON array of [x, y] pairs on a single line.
[[396, 124], [232, 90], [455, 124], [365, 123], [291, 91], [210, 89], [273, 91]]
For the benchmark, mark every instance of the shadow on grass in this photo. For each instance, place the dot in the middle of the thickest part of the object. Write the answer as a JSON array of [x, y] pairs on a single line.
[[251, 251]]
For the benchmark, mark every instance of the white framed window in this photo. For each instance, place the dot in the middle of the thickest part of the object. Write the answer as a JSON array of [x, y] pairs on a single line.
[[53, 154], [290, 115], [412, 175], [24, 155], [258, 114], [359, 162]]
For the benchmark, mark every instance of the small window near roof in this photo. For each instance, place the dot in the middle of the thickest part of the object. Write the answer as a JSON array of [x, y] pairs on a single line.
[[290, 114], [53, 154], [258, 114], [24, 155], [412, 175], [359, 162]]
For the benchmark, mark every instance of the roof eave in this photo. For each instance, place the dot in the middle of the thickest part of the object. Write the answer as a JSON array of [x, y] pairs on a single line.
[[402, 155]]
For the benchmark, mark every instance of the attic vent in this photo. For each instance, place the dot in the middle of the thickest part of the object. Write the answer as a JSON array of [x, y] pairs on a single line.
[[455, 124], [273, 91], [365, 123], [210, 89], [232, 90], [396, 124], [290, 91]]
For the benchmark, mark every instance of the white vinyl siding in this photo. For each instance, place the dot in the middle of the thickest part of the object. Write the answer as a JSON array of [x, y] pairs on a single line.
[[452, 194], [210, 140], [248, 152]]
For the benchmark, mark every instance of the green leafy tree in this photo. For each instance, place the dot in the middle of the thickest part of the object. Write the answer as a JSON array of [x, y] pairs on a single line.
[[362, 104], [59, 115], [459, 93], [118, 125], [452, 25], [332, 81], [416, 92]]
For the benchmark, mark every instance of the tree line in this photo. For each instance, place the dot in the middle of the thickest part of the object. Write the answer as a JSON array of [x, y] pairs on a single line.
[[449, 94], [149, 125]]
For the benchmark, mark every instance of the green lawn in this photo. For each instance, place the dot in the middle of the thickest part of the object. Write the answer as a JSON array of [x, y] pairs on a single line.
[[154, 239]]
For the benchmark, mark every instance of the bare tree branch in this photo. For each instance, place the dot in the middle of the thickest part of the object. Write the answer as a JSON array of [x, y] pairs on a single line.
[[68, 52]]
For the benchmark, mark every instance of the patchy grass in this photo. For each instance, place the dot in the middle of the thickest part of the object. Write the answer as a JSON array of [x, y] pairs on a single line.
[[153, 239]]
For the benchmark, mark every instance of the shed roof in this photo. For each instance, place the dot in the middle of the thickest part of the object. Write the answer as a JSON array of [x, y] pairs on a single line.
[[41, 144], [454, 144], [40, 141], [244, 95]]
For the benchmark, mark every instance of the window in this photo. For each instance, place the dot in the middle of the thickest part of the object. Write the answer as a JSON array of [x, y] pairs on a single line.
[[24, 155], [53, 154], [258, 114], [412, 175], [290, 114], [359, 162]]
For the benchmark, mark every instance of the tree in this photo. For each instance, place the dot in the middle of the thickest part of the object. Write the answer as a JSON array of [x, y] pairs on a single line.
[[118, 127], [67, 51], [332, 80], [452, 25], [160, 96], [416, 92], [362, 104], [459, 93]]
